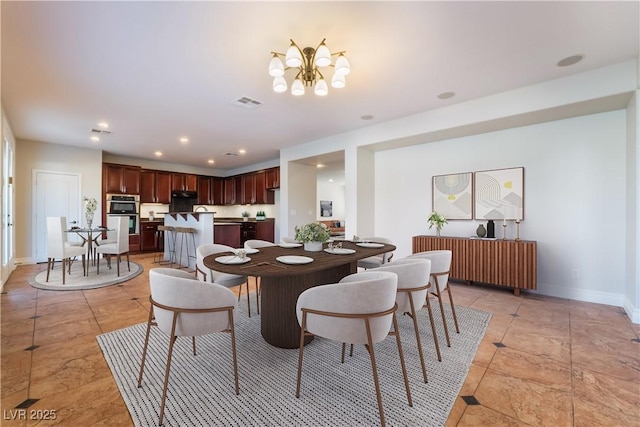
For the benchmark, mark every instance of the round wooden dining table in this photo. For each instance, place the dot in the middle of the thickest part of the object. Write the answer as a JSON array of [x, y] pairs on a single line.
[[282, 283]]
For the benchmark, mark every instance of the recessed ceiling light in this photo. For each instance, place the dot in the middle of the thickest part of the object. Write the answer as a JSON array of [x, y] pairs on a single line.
[[570, 60], [319, 165], [95, 138], [210, 161], [330, 180], [446, 95], [103, 125], [184, 140], [242, 151], [158, 153], [366, 117]]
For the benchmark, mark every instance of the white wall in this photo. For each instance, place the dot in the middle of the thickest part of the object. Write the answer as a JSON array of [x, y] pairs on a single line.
[[574, 197], [301, 184], [6, 133], [32, 155], [335, 193], [632, 273]]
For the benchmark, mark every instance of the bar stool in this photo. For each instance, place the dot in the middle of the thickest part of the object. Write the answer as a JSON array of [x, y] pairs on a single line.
[[183, 233], [171, 245]]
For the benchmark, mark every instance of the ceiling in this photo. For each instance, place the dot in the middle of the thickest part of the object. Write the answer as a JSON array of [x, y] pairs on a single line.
[[158, 71]]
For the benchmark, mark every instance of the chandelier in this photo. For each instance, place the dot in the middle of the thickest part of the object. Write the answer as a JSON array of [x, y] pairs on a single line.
[[307, 62]]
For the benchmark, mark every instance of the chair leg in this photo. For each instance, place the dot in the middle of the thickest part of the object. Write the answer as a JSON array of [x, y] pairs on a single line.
[[433, 329], [402, 363], [453, 309], [414, 317], [146, 345], [258, 294], [303, 327], [63, 269], [166, 378], [49, 268], [233, 351], [118, 264], [98, 264], [248, 302], [444, 319], [374, 368], [128, 264]]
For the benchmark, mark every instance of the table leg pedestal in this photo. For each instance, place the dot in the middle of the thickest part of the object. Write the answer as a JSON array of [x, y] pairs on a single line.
[[279, 324]]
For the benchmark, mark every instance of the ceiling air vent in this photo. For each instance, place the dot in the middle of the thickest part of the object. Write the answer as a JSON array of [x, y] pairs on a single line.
[[231, 154], [248, 103], [101, 131]]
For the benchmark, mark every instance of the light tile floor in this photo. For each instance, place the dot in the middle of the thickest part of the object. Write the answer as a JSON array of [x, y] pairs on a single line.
[[543, 361]]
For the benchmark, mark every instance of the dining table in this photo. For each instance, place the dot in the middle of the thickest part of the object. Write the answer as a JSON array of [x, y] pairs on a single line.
[[287, 270], [88, 238]]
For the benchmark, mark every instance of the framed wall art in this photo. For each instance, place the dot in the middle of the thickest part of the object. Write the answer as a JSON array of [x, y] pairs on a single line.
[[453, 195], [326, 208], [499, 194]]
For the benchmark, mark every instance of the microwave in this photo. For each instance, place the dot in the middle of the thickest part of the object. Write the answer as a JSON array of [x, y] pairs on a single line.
[[120, 204]]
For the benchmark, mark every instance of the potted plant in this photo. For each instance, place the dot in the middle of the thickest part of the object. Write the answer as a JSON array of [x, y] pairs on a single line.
[[245, 215], [438, 220], [313, 236], [90, 206]]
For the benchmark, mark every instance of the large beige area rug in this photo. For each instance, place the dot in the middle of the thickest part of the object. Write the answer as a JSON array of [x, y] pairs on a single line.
[[76, 281], [201, 390]]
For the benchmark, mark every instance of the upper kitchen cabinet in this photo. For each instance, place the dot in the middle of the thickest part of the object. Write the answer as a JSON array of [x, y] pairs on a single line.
[[120, 179], [210, 190], [254, 190], [184, 182], [155, 186], [272, 178], [229, 187]]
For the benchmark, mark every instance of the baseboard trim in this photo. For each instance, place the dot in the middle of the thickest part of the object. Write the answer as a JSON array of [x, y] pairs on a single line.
[[585, 295]]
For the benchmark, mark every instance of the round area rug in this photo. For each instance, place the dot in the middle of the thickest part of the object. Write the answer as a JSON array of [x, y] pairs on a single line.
[[76, 281]]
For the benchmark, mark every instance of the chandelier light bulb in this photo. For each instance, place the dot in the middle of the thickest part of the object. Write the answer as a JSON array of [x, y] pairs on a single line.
[[342, 65], [293, 57], [338, 81], [297, 88], [276, 67], [321, 88], [279, 84], [323, 56]]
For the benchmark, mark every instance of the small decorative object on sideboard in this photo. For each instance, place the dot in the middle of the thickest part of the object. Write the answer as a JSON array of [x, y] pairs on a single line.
[[504, 228], [518, 221], [245, 215], [313, 236], [481, 231], [491, 229], [260, 216], [438, 220]]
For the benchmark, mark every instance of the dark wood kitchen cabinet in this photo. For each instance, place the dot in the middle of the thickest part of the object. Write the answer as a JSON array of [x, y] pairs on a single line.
[[273, 178], [210, 190], [155, 186], [149, 235], [227, 234], [120, 179], [184, 182], [230, 191], [254, 190]]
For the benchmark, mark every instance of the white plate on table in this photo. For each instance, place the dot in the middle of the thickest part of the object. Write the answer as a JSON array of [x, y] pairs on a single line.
[[340, 251], [250, 251], [232, 259], [289, 245], [294, 259], [370, 245]]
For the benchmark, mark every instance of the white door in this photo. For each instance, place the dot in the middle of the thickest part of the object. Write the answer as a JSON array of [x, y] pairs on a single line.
[[55, 194], [7, 206]]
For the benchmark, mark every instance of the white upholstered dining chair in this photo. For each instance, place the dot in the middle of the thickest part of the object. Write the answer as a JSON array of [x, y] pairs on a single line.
[[58, 248], [440, 268], [183, 306], [413, 285], [119, 247], [376, 260], [206, 274], [358, 310], [257, 244]]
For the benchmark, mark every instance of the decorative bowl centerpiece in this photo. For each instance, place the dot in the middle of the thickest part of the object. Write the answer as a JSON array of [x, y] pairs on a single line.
[[313, 235]]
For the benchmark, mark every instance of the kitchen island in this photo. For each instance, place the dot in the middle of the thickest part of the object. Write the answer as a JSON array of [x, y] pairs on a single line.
[[186, 243]]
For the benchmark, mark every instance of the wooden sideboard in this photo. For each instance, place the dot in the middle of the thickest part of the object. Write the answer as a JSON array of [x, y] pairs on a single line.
[[499, 262]]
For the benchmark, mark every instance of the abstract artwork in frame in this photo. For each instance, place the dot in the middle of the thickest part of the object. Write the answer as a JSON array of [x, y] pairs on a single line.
[[452, 195], [499, 194], [326, 208]]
